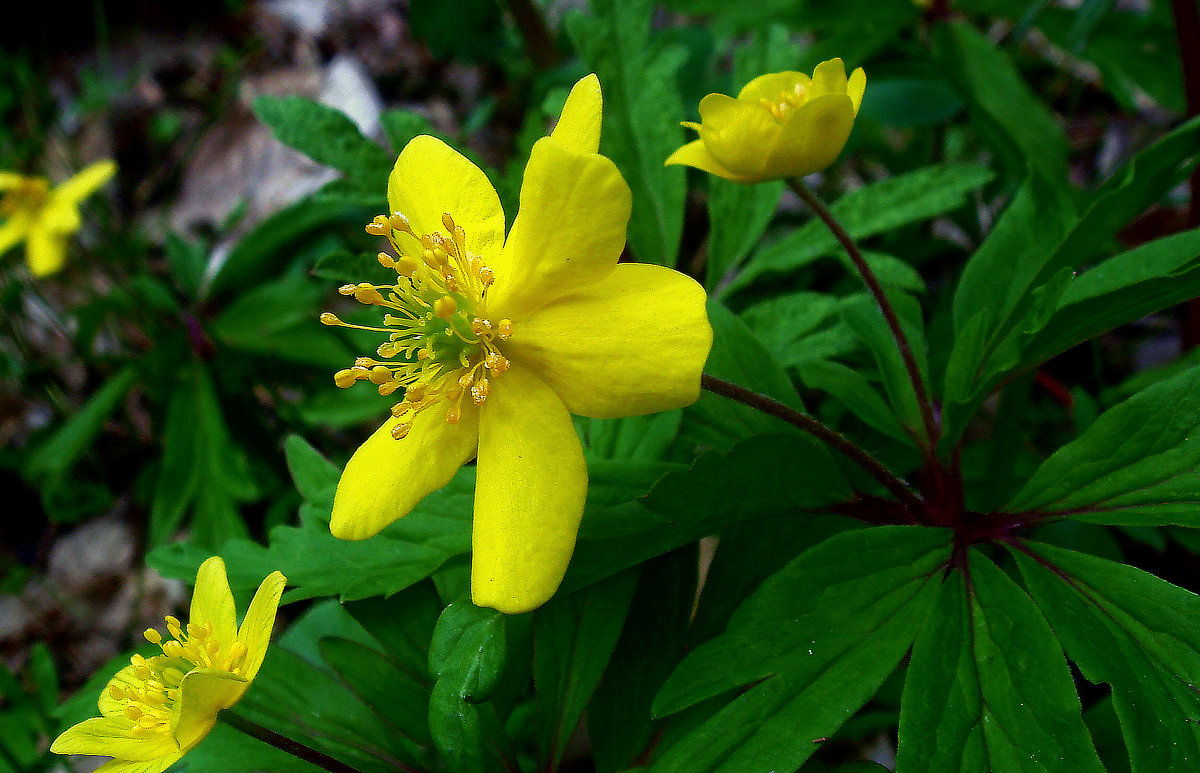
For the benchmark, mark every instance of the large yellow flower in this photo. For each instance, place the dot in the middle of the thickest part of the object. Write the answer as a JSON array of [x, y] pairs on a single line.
[[156, 709], [783, 124], [44, 217], [497, 341]]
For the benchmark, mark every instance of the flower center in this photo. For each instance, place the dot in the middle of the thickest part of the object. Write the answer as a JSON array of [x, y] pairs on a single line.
[[29, 194], [786, 102], [149, 702], [441, 346]]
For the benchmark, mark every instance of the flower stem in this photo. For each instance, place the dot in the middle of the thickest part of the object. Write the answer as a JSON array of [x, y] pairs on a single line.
[[539, 44], [854, 453], [282, 742], [881, 299]]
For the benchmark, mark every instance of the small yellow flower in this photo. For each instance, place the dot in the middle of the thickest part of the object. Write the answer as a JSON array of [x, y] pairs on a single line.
[[44, 217], [782, 124], [496, 341], [156, 709]]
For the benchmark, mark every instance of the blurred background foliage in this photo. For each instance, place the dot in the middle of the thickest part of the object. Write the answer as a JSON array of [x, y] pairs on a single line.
[[147, 389]]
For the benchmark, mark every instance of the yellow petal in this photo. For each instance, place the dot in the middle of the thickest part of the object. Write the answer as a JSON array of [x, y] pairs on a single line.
[[578, 126], [855, 88], [13, 230], [110, 706], [10, 180], [569, 232], [630, 344], [736, 133], [386, 477], [774, 84], [431, 179], [696, 155], [202, 694], [45, 252], [256, 628], [212, 601], [813, 136], [147, 766], [83, 184], [112, 737], [530, 486], [829, 78]]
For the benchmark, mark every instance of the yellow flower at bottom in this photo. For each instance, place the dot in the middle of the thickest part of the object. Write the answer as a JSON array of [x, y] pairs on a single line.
[[44, 217], [156, 709], [497, 341], [782, 124]]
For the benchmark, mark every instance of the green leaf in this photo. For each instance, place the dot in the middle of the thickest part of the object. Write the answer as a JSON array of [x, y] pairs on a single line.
[[299, 700], [738, 356], [814, 643], [854, 390], [1003, 107], [402, 624], [52, 458], [315, 477], [397, 699], [202, 468], [1135, 464], [632, 438], [906, 103], [351, 267], [873, 209], [650, 645], [642, 110], [327, 136], [573, 639], [988, 680], [802, 327], [401, 126], [1135, 632], [264, 251], [468, 650]]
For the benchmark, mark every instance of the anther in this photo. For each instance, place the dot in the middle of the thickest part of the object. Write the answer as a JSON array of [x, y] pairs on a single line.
[[448, 222], [388, 387], [344, 379], [116, 693], [487, 276], [329, 318], [504, 329], [401, 408], [366, 293], [347, 289], [385, 260], [465, 379], [401, 430], [380, 374], [406, 266], [495, 362], [400, 223], [480, 326], [152, 636], [453, 415], [415, 393], [480, 392], [133, 712], [429, 258], [445, 307]]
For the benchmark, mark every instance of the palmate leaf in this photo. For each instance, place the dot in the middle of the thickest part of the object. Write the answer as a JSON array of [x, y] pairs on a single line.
[[988, 689], [1016, 304], [873, 209], [641, 117], [815, 641], [1135, 632], [1136, 464]]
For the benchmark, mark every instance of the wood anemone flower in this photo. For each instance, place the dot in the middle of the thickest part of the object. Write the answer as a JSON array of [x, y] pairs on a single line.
[[496, 341], [44, 217], [156, 709], [783, 124]]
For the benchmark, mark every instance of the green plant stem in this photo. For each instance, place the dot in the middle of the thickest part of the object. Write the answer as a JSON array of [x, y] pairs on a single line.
[[881, 299], [830, 437], [294, 748]]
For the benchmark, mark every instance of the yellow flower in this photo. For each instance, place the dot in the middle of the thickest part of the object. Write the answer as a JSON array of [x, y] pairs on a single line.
[[44, 217], [497, 341], [782, 124], [156, 709]]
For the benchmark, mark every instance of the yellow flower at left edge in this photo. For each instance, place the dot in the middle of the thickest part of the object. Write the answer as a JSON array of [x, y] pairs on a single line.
[[782, 124], [44, 217], [156, 709], [497, 340]]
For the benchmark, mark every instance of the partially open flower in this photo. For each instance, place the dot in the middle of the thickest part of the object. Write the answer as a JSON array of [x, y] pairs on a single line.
[[782, 124], [156, 709], [44, 217], [496, 340]]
